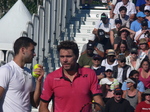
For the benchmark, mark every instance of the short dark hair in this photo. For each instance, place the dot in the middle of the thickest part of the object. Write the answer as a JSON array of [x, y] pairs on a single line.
[[147, 60], [133, 72], [122, 8], [22, 42], [69, 45]]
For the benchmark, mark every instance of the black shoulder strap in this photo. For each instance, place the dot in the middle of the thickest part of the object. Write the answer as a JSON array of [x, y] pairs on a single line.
[[125, 69], [119, 16], [115, 71]]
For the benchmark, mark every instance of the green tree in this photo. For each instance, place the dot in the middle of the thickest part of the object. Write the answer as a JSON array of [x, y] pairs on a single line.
[[31, 5]]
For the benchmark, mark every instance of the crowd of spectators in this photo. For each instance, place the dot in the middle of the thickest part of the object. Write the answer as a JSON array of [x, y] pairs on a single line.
[[119, 53]]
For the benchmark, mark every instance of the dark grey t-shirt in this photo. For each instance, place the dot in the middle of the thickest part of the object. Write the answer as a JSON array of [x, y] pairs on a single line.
[[129, 41]]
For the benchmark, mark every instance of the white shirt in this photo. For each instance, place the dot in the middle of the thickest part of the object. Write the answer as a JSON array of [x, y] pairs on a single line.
[[105, 64], [137, 33], [128, 62], [115, 1], [18, 83], [130, 8], [106, 27], [120, 73], [125, 21]]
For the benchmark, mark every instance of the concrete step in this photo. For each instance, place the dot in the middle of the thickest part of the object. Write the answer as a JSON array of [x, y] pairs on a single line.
[[88, 31], [82, 35], [86, 27], [81, 39], [89, 22]]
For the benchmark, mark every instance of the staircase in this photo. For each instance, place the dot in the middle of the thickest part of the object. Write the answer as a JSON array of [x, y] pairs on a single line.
[[88, 19]]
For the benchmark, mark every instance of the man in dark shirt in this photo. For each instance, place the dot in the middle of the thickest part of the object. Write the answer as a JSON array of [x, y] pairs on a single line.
[[117, 103], [85, 60], [99, 70]]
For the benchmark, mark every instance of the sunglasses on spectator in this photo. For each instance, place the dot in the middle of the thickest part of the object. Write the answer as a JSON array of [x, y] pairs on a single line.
[[118, 94], [123, 61], [147, 94], [96, 59], [133, 53]]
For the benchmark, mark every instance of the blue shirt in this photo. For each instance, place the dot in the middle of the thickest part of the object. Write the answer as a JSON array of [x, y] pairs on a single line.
[[136, 26], [140, 86], [140, 2]]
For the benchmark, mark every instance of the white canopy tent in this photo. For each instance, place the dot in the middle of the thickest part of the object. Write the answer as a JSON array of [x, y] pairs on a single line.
[[13, 24]]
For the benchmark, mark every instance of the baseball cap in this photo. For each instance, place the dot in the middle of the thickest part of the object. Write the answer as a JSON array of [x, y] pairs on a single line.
[[101, 33], [117, 20], [129, 80], [134, 50], [96, 56], [104, 16], [142, 41], [147, 91], [108, 69], [144, 23], [111, 52], [147, 8], [140, 14], [118, 90], [121, 58], [90, 46], [91, 37]]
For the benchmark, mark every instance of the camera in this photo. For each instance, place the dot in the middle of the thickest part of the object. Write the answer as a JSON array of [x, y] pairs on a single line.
[[147, 34]]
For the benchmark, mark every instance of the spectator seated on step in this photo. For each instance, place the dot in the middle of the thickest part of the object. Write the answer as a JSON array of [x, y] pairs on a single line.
[[117, 103], [144, 106], [98, 48], [102, 39], [110, 60], [105, 24], [144, 32], [122, 70], [123, 16], [85, 60], [126, 34], [133, 60], [96, 66], [136, 25], [131, 10]]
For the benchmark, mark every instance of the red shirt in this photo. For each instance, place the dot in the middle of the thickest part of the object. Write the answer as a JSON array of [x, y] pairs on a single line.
[[143, 107], [70, 96]]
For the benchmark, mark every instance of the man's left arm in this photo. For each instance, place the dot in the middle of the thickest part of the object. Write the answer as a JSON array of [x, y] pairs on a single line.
[[35, 96], [95, 89], [99, 52], [98, 99]]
